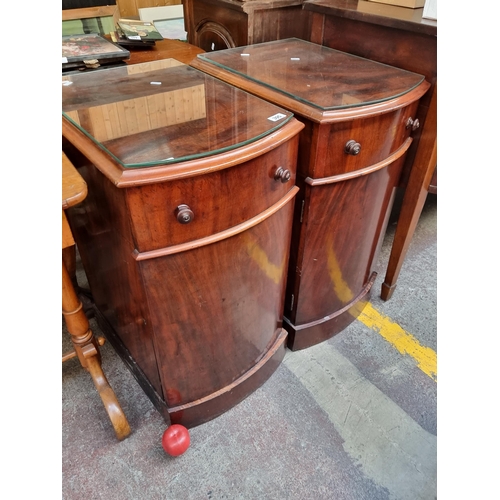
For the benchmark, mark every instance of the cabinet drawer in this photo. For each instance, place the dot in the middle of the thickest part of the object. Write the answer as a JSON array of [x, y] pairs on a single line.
[[377, 137], [212, 202]]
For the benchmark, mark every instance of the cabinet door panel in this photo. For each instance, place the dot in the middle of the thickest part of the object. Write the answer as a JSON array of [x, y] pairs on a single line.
[[218, 308], [343, 225]]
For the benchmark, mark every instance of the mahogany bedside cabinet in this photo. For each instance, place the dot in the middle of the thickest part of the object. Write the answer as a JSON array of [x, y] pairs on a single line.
[[404, 38], [358, 117], [185, 233]]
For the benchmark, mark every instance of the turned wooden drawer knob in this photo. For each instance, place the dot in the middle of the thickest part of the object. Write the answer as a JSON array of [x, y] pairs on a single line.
[[352, 147], [184, 214], [414, 124], [282, 174]]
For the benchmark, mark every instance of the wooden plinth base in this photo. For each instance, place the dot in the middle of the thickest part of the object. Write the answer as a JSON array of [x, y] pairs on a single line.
[[309, 334], [205, 409]]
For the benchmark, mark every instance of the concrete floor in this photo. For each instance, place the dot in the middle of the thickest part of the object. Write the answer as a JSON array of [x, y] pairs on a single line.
[[350, 419]]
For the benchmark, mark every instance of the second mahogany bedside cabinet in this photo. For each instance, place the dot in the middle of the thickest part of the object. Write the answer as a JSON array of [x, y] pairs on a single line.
[[185, 232], [358, 117]]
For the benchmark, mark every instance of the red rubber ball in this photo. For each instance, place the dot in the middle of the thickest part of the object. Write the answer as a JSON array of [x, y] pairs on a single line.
[[175, 440]]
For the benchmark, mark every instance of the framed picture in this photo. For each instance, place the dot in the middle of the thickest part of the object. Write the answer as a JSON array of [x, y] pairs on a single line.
[[173, 28], [79, 49], [139, 30]]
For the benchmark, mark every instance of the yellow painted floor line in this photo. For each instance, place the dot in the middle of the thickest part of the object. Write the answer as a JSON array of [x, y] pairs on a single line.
[[403, 341]]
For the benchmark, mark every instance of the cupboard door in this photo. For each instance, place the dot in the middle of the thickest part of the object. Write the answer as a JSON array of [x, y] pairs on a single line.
[[334, 249], [218, 314]]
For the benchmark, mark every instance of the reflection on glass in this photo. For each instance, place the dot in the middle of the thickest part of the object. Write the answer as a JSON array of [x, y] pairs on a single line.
[[132, 116], [164, 112], [315, 74]]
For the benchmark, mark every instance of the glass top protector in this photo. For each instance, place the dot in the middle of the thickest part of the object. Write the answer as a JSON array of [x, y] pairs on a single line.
[[316, 75], [164, 112]]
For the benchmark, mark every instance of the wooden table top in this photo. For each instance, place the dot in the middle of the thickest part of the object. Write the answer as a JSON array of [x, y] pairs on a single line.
[[74, 188], [392, 16], [164, 49]]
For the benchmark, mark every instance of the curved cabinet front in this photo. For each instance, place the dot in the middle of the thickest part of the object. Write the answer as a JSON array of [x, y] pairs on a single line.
[[196, 311], [217, 316], [335, 246], [340, 221], [185, 232], [358, 118]]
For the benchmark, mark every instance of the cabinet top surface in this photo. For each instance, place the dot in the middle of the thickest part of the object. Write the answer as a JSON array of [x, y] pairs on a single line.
[[383, 14], [315, 75], [164, 112]]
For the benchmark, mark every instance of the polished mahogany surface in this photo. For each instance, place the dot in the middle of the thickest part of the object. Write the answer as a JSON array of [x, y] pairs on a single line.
[[316, 75], [221, 24], [165, 49], [358, 118], [375, 13], [175, 111], [399, 37], [293, 86], [186, 258]]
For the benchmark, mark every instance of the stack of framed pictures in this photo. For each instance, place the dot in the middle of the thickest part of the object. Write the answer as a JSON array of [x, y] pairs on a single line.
[[136, 34]]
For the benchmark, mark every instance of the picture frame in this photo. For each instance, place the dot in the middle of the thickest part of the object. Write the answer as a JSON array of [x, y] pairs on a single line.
[[78, 50], [139, 30], [173, 29]]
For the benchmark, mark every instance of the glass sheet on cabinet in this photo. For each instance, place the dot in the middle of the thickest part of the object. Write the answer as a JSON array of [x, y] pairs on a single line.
[[316, 75], [164, 112]]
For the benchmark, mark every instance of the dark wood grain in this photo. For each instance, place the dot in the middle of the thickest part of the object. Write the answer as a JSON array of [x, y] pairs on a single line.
[[345, 25], [423, 179], [175, 49], [345, 200], [219, 201], [339, 225], [221, 24], [340, 24], [335, 247], [97, 89], [225, 312], [323, 85], [326, 155], [200, 326], [390, 16], [314, 75], [411, 51], [204, 409]]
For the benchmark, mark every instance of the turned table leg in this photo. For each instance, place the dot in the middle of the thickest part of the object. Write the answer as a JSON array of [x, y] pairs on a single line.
[[86, 348]]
